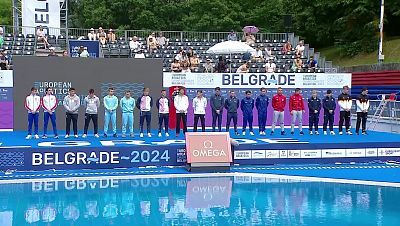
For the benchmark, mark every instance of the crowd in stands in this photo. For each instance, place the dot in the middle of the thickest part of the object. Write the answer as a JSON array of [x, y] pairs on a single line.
[[185, 58]]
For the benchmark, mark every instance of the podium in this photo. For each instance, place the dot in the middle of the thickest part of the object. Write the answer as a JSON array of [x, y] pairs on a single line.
[[208, 151]]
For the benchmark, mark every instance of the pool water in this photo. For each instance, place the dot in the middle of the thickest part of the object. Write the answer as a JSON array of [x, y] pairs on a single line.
[[238, 200]]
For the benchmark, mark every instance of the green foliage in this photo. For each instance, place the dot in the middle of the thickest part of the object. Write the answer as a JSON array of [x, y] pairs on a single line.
[[5, 12]]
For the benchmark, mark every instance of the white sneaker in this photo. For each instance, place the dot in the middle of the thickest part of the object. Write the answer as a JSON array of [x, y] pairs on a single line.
[[76, 136], [159, 135], [28, 137], [251, 133], [349, 133], [167, 134], [333, 133], [96, 135], [316, 133], [84, 136], [66, 136], [149, 134], [243, 133], [325, 133], [261, 133], [141, 134], [311, 133], [36, 136]]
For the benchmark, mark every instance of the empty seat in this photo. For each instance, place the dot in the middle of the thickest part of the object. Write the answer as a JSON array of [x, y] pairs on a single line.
[[20, 35], [28, 53], [30, 36], [16, 52]]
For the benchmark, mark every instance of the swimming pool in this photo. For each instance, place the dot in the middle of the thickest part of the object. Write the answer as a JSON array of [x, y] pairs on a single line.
[[226, 200]]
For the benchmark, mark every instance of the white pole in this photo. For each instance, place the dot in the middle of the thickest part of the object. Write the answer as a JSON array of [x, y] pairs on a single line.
[[380, 50]]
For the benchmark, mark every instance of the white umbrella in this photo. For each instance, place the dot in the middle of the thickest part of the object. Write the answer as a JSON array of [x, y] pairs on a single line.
[[230, 47]]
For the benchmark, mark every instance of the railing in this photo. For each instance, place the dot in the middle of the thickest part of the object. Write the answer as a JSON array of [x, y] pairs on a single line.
[[78, 32]]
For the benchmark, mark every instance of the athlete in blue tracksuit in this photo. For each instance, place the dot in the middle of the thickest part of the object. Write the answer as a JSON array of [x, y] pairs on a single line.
[[262, 102], [314, 107], [247, 105]]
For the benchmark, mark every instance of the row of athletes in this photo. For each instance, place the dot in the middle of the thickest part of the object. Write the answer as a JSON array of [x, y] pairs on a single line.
[[72, 102]]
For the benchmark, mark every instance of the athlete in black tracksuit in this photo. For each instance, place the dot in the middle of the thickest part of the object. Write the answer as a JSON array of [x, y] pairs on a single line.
[[232, 105], [314, 107], [329, 105]]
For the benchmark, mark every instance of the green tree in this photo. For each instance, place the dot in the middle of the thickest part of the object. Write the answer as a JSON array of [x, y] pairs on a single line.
[[5, 12]]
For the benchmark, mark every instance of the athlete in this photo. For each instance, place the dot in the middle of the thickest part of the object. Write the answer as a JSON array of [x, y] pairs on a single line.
[[49, 104], [144, 103], [110, 105], [329, 105], [314, 108], [71, 104], [232, 105], [127, 104], [163, 112], [199, 107], [296, 108], [181, 103], [32, 105], [278, 104], [92, 104], [247, 106], [362, 111], [345, 103], [217, 103], [262, 102]]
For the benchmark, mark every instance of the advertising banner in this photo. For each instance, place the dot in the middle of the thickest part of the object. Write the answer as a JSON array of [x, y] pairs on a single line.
[[208, 192], [205, 147], [44, 13], [93, 47], [6, 100]]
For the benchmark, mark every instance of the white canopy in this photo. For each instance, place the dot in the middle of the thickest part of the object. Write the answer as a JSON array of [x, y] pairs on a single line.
[[230, 47]]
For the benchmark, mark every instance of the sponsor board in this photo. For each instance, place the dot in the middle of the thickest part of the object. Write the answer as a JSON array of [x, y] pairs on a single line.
[[294, 154], [311, 153], [283, 154], [388, 151], [371, 152], [258, 154], [355, 152], [272, 154], [243, 154], [333, 153]]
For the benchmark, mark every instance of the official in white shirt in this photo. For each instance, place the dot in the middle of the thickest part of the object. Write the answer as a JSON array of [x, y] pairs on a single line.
[[270, 66]]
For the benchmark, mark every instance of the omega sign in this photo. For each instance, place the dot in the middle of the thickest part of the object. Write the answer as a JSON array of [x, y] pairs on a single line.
[[208, 147], [208, 150]]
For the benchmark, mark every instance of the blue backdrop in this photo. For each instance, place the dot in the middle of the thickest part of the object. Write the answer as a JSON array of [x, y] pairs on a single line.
[[93, 47]]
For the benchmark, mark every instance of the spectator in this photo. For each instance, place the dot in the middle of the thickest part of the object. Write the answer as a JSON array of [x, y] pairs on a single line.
[[185, 66], [111, 36], [181, 56], [249, 38], [246, 56], [139, 54], [1, 36], [244, 68], [152, 35], [298, 62], [52, 52], [258, 54], [3, 61], [190, 52], [268, 54], [41, 36], [84, 53], [65, 53], [287, 47], [194, 62], [152, 44], [161, 40], [1, 32], [101, 36], [134, 44], [92, 35], [176, 66], [270, 66], [221, 66], [208, 67], [300, 48], [311, 63], [232, 36]]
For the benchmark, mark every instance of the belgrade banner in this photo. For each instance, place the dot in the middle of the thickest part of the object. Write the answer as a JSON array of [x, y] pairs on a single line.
[[44, 13], [257, 80]]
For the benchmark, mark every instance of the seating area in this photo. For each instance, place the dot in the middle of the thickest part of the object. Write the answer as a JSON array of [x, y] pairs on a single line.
[[27, 45]]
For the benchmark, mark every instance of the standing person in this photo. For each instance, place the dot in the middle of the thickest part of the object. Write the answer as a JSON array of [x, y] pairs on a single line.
[[262, 102], [329, 105], [247, 106], [92, 104], [110, 104], [32, 104], [314, 107], [163, 112], [199, 107], [362, 111], [345, 103], [144, 103], [71, 104], [217, 106], [49, 103], [296, 108], [127, 104], [232, 105], [181, 103], [278, 104]]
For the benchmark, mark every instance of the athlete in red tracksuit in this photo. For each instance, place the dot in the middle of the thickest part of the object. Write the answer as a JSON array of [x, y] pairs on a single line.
[[278, 104], [296, 107]]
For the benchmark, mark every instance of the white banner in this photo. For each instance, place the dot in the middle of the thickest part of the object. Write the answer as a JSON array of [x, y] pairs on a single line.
[[41, 12], [6, 79], [257, 80]]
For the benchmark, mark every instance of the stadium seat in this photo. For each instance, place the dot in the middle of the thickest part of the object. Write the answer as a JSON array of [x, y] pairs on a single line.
[[114, 53], [8, 39], [124, 51], [29, 48], [106, 53], [20, 35], [28, 53], [17, 47], [16, 52], [30, 36], [9, 35]]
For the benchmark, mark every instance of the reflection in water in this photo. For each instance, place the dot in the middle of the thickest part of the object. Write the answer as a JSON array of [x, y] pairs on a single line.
[[196, 201]]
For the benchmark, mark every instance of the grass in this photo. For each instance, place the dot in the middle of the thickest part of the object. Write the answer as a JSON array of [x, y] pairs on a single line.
[[391, 50]]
